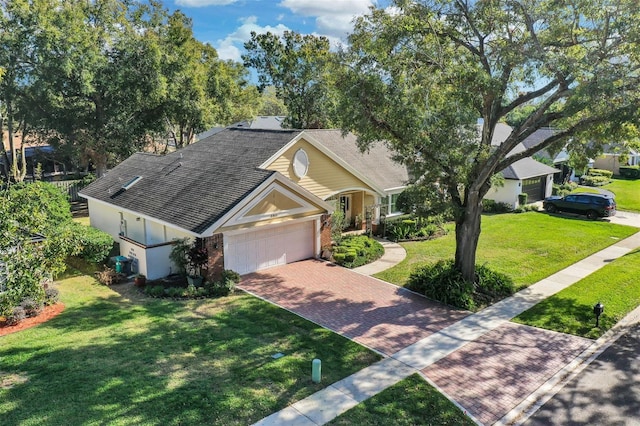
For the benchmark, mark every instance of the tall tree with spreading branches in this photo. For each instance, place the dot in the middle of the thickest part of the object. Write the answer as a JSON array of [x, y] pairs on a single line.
[[202, 90], [433, 78], [297, 66]]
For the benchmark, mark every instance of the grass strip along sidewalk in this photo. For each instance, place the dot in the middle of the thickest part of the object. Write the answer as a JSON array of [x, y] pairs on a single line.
[[617, 286], [409, 402]]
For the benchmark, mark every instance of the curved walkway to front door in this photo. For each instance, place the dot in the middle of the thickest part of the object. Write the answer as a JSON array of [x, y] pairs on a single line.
[[376, 314]]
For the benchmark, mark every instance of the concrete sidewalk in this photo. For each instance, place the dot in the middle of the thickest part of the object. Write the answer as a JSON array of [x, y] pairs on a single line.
[[339, 397], [393, 254]]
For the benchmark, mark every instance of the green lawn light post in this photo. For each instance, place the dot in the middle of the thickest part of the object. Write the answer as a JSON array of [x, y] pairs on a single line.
[[316, 370]]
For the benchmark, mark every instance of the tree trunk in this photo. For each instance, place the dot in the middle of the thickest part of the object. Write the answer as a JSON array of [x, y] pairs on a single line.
[[12, 148], [21, 168], [467, 236], [100, 161]]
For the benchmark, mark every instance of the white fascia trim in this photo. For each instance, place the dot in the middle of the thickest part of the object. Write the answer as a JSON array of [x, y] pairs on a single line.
[[315, 143], [270, 225], [350, 190], [280, 152], [395, 190], [276, 176], [241, 219], [146, 217]]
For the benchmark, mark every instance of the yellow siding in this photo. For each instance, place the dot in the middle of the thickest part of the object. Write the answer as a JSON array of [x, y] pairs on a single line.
[[324, 177], [356, 204], [273, 202], [369, 200]]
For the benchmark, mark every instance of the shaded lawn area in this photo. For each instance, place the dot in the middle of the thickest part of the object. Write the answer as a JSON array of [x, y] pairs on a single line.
[[617, 286], [627, 194], [527, 246], [411, 401], [122, 359]]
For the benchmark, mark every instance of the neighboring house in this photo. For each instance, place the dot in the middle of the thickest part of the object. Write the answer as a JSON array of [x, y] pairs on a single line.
[[615, 156], [257, 198], [263, 122], [35, 153], [524, 176]]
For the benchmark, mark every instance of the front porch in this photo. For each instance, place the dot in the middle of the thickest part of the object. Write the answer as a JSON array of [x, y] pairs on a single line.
[[358, 208]]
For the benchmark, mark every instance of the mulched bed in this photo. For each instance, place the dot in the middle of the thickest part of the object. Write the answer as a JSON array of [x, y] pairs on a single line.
[[47, 313]]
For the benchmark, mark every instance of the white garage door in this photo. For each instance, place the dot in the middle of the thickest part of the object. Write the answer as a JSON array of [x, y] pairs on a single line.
[[252, 251]]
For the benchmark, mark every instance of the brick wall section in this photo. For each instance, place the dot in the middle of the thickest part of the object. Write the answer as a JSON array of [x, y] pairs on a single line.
[[215, 247], [325, 231]]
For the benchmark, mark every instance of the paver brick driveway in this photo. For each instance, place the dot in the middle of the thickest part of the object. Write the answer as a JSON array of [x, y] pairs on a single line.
[[371, 312], [493, 374]]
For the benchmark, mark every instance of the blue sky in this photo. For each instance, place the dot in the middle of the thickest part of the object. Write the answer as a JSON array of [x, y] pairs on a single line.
[[227, 24]]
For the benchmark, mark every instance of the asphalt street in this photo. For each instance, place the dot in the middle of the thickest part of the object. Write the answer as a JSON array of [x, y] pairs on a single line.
[[607, 392]]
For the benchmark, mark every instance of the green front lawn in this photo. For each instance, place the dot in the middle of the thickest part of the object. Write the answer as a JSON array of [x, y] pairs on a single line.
[[123, 359], [527, 246], [585, 189], [627, 194], [617, 286], [410, 402]]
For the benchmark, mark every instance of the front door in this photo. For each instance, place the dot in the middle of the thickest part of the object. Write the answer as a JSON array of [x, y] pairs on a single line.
[[345, 205]]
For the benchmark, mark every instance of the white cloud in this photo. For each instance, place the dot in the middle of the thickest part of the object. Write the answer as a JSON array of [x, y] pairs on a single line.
[[333, 18], [203, 3], [232, 46], [317, 8]]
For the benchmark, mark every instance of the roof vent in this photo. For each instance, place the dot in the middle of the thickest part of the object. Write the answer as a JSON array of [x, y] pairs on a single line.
[[132, 182]]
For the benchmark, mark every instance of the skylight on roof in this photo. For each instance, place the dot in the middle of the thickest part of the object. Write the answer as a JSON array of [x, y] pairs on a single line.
[[132, 182]]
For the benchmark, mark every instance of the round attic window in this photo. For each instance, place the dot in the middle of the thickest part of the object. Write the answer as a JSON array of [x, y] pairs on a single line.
[[300, 163]]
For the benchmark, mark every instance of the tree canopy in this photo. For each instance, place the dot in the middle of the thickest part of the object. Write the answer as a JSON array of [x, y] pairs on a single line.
[[434, 78], [202, 90], [100, 80], [297, 66]]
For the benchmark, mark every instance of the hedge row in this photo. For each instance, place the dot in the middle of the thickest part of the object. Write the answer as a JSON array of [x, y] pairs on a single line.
[[357, 250], [630, 172]]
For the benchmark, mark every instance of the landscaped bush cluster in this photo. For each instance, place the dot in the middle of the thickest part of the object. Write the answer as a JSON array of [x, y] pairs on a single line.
[[356, 250], [223, 287], [600, 172], [491, 206], [190, 257], [523, 198], [563, 189], [589, 180], [91, 244], [596, 177], [630, 172], [441, 281], [28, 306], [413, 228]]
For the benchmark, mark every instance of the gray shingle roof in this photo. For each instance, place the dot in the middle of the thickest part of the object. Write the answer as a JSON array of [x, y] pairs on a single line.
[[376, 164], [195, 186], [527, 168]]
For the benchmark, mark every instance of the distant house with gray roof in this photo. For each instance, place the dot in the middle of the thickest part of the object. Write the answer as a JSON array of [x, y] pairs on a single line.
[[525, 176]]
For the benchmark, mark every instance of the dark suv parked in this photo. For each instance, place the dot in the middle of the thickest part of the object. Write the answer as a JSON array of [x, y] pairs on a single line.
[[592, 205]]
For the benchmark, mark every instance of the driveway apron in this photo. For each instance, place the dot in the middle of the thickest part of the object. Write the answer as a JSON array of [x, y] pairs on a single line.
[[494, 373], [376, 314]]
